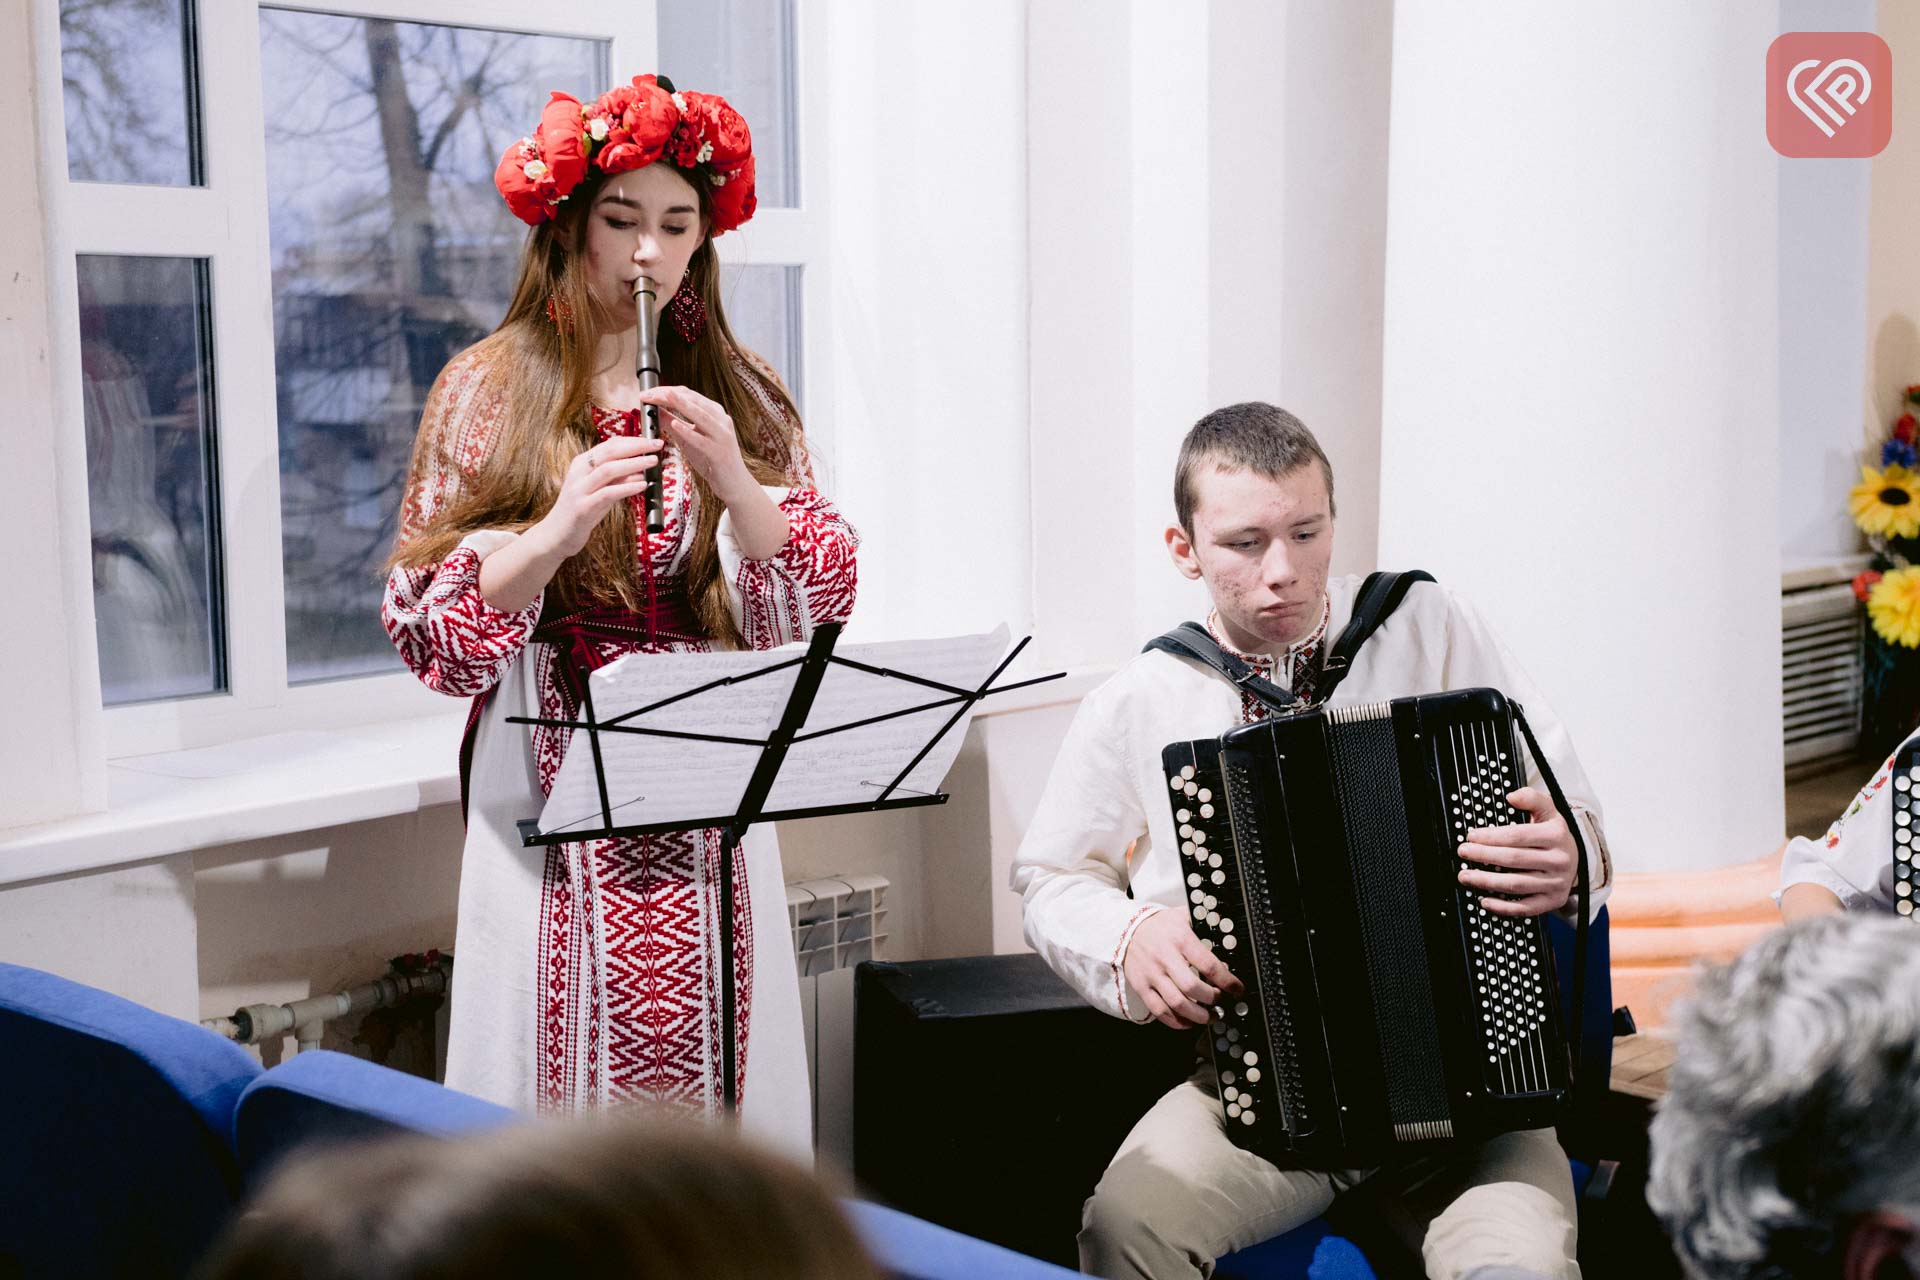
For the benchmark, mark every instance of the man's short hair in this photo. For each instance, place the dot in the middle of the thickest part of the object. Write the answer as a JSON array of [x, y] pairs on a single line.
[[1793, 1105], [1253, 436]]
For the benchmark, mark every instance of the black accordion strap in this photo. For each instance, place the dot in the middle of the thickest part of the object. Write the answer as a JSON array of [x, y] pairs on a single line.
[[1581, 886], [1191, 640], [1379, 596]]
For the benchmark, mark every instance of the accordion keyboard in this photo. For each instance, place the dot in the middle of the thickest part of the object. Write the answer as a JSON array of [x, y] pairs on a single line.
[[1906, 815], [1217, 849], [1510, 990]]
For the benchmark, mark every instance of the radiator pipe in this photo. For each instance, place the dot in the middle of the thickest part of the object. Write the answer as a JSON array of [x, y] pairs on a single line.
[[307, 1019]]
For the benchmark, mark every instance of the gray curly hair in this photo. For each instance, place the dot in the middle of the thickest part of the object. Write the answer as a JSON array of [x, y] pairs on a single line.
[[1794, 1101]]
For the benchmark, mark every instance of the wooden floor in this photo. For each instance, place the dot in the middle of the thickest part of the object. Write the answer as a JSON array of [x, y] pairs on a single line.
[[1640, 1065], [1813, 802]]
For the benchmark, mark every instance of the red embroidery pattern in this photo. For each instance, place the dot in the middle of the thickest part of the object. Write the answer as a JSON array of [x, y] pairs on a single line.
[[627, 970], [561, 983], [446, 633]]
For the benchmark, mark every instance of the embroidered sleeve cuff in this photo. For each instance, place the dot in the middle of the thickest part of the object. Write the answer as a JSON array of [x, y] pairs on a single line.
[[1131, 1006]]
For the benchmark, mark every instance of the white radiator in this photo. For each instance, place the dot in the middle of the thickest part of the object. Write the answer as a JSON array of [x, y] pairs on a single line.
[[837, 922], [1821, 629]]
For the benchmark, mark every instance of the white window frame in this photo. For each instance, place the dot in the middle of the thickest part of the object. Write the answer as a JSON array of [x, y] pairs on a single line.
[[226, 223]]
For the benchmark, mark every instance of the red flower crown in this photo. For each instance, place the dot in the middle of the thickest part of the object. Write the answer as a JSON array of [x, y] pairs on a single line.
[[627, 128]]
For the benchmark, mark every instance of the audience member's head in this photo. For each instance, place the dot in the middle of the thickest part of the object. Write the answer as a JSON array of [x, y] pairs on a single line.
[[1789, 1140], [612, 1198]]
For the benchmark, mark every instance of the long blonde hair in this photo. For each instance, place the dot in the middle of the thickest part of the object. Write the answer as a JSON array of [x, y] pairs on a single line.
[[545, 371]]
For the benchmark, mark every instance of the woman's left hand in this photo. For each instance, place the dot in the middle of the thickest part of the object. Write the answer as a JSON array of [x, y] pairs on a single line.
[[705, 436], [1534, 860]]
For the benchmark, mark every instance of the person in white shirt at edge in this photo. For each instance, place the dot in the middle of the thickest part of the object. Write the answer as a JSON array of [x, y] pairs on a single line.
[[1253, 498], [1850, 868]]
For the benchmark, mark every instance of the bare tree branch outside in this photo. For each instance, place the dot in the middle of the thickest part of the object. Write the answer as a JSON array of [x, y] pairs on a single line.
[[391, 252]]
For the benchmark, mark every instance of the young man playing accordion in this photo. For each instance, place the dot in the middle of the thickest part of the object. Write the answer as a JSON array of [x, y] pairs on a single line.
[[1253, 496]]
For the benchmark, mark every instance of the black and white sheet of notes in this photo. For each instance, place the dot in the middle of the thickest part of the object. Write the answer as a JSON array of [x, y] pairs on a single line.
[[657, 779]]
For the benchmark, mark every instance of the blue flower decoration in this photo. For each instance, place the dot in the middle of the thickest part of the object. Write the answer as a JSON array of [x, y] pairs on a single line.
[[1897, 453]]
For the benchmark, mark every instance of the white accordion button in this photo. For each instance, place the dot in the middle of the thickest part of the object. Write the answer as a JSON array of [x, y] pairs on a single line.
[[1176, 782], [1904, 906], [1193, 880], [1200, 911], [1253, 1075], [1186, 832], [1251, 1058], [1219, 877], [1246, 1117], [1199, 837], [1231, 1095], [1186, 773], [1190, 788], [1206, 811], [1226, 925], [1213, 860], [1229, 942], [1233, 1111], [1226, 1077], [1240, 1010], [1185, 815], [1213, 903], [1198, 896]]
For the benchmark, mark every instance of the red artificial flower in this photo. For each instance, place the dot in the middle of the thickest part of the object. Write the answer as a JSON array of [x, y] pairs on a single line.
[[722, 126], [523, 194], [1863, 583], [622, 156], [1903, 428], [562, 138], [651, 115], [734, 201]]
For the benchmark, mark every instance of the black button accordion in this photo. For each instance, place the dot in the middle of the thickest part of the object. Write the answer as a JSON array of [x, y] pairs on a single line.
[[1385, 1008], [1906, 816]]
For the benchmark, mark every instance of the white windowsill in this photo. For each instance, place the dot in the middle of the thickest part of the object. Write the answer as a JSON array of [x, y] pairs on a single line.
[[178, 801]]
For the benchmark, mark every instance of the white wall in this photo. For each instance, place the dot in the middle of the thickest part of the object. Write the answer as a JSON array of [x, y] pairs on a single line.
[[1893, 271], [1581, 349], [1824, 282], [1298, 167], [928, 343]]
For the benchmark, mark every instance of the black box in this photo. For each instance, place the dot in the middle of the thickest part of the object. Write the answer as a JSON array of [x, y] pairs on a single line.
[[988, 1097]]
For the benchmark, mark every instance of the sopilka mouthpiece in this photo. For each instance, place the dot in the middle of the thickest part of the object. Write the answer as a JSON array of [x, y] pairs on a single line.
[[647, 362]]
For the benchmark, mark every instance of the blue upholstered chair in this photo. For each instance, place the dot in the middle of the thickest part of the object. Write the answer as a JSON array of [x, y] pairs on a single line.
[[322, 1096], [909, 1248], [1315, 1250], [116, 1132], [325, 1097]]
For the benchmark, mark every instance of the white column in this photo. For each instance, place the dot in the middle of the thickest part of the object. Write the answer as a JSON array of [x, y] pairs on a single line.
[[1580, 390]]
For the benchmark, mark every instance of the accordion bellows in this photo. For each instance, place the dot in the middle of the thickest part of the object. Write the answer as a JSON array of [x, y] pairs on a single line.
[[1385, 1008]]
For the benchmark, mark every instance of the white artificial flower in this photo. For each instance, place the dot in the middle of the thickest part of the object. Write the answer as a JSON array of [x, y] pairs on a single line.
[[535, 170], [598, 128], [706, 152], [679, 101]]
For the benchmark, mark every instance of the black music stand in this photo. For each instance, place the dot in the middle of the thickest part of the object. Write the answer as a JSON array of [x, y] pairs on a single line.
[[773, 752]]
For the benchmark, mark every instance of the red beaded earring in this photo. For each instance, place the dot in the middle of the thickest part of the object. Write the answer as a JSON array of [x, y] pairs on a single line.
[[687, 311]]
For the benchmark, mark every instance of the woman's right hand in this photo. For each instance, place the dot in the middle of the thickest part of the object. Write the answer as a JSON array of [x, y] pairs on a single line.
[[609, 473]]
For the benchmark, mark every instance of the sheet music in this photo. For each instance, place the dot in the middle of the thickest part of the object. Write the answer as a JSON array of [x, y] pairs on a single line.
[[658, 779]]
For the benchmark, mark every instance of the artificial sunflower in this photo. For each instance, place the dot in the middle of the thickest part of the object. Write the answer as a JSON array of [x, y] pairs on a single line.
[[1894, 606], [1887, 503]]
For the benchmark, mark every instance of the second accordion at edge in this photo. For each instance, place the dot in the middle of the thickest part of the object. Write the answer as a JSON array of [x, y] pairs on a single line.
[[1385, 1008]]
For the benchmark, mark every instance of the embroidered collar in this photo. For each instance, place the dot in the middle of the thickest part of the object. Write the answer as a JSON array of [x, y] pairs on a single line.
[[1303, 650]]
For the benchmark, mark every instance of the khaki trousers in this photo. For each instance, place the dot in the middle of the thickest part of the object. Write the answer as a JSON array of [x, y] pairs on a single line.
[[1179, 1195]]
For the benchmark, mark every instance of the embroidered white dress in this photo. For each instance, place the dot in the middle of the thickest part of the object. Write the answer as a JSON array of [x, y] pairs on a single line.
[[588, 973]]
